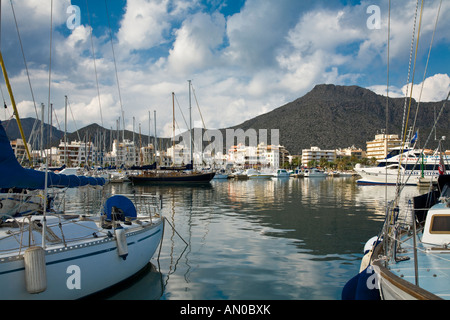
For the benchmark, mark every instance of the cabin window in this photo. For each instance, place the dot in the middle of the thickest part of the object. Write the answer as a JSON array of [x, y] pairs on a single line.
[[440, 224]]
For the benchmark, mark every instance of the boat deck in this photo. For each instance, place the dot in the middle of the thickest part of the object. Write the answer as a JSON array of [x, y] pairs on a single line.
[[433, 267]]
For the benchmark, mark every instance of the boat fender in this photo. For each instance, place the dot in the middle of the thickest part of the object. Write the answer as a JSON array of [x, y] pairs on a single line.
[[122, 247], [370, 244], [35, 270], [365, 261]]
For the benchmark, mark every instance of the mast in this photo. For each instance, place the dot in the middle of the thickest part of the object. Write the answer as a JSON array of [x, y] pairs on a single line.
[[190, 126], [156, 139], [13, 102], [42, 130], [65, 132], [173, 128], [50, 116]]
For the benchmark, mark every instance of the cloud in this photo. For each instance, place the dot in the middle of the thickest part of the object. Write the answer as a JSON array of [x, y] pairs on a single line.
[[196, 43], [254, 60], [144, 24], [255, 33], [434, 88]]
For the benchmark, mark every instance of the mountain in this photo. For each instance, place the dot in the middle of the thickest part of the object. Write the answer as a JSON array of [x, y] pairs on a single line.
[[331, 117], [13, 132], [95, 131], [90, 133], [328, 117]]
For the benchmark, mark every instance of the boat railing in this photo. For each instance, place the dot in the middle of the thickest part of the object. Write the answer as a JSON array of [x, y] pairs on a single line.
[[147, 204]]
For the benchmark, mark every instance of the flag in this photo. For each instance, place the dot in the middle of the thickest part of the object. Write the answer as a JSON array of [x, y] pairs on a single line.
[[413, 140]]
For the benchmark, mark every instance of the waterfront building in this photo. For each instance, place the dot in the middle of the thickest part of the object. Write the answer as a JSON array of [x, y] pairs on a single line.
[[147, 154], [18, 147], [125, 153], [273, 156], [263, 155], [179, 155], [351, 152], [381, 145], [316, 154], [74, 154]]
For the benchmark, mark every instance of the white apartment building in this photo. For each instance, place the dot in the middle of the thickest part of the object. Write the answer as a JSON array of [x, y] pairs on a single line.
[[19, 149], [350, 152], [125, 153], [263, 155], [272, 156], [75, 153], [380, 147], [316, 154]]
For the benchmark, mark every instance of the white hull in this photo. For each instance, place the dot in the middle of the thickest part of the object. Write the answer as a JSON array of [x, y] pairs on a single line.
[[82, 267], [314, 173], [220, 176], [281, 174], [391, 292], [409, 166], [379, 175]]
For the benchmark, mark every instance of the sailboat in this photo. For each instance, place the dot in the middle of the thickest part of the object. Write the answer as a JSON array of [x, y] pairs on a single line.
[[408, 259], [47, 254], [184, 174]]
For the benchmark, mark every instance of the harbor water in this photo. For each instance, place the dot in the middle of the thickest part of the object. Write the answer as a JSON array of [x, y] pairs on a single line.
[[275, 239]]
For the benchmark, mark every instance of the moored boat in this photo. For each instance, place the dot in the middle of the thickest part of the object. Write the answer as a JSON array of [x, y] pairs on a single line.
[[256, 174], [47, 254], [171, 177], [409, 260], [408, 166], [57, 256], [314, 173], [281, 173]]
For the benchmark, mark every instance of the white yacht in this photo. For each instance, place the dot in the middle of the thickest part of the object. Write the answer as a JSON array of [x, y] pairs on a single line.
[[409, 165]]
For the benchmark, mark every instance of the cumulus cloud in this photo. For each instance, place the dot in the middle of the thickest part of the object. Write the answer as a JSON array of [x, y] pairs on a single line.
[[144, 24], [263, 55], [196, 42], [434, 88]]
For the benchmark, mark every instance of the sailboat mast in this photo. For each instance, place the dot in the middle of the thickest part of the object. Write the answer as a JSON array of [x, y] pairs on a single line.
[[190, 125], [13, 102], [156, 139], [65, 132], [173, 127]]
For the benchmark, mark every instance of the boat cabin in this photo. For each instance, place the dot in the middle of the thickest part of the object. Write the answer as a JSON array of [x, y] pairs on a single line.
[[437, 224]]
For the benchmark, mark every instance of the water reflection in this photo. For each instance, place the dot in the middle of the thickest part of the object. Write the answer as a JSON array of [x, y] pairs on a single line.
[[263, 239]]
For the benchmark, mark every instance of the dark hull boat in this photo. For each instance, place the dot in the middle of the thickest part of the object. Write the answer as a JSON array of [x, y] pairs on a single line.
[[171, 177]]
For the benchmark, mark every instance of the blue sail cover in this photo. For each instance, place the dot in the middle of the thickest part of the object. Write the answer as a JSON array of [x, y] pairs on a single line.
[[13, 175]]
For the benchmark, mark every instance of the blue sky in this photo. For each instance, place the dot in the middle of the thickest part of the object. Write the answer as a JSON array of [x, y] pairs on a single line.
[[245, 57]]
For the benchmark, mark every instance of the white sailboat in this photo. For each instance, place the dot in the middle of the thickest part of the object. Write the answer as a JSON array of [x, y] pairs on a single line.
[[47, 254], [408, 259]]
